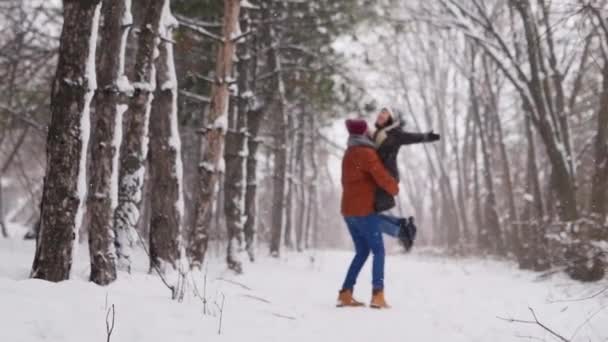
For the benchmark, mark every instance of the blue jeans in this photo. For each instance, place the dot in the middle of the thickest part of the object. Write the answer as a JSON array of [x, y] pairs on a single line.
[[367, 236], [390, 225]]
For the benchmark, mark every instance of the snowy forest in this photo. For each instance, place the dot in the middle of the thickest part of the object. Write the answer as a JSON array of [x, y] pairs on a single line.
[[173, 169]]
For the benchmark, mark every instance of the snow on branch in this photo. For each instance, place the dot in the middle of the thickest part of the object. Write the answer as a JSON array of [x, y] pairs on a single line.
[[192, 26], [195, 97]]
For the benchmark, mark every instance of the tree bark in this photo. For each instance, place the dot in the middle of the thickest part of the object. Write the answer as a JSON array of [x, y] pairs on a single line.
[[533, 253], [234, 155], [213, 136], [599, 185], [134, 148], [553, 138], [301, 166], [289, 223], [277, 108], [110, 104], [64, 187], [493, 242], [254, 120], [166, 168]]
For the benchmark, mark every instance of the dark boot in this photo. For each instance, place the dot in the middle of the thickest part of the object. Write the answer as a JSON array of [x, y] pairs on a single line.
[[407, 233]]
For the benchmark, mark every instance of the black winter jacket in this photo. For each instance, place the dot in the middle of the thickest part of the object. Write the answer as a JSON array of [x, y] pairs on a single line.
[[388, 142]]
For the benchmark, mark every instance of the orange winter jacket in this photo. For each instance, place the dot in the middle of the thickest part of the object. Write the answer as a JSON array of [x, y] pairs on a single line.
[[362, 173]]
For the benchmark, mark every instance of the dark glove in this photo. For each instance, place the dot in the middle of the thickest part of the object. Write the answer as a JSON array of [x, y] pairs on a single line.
[[432, 136]]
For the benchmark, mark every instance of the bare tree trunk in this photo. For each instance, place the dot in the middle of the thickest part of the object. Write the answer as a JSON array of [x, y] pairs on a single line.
[[289, 223], [234, 154], [534, 244], [254, 119], [134, 148], [513, 217], [301, 194], [313, 189], [549, 131], [482, 233], [7, 164], [491, 222], [213, 136], [65, 182], [166, 168], [110, 104], [2, 218], [599, 185], [277, 108]]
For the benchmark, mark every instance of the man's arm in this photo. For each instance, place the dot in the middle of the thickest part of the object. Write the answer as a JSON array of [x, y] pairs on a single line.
[[383, 179]]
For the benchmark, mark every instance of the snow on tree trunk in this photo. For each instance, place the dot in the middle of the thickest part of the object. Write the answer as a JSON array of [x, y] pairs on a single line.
[[277, 109], [65, 185], [248, 107], [254, 120], [553, 139], [134, 148], [166, 169], [236, 149], [212, 141], [233, 185], [110, 104]]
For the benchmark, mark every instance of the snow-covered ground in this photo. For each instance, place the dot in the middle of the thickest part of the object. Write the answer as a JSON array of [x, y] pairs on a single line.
[[292, 299]]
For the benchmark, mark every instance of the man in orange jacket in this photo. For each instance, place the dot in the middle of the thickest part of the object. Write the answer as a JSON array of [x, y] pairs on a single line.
[[362, 173]]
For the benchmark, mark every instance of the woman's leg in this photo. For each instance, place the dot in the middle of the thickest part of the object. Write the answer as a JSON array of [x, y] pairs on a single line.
[[389, 225], [361, 251]]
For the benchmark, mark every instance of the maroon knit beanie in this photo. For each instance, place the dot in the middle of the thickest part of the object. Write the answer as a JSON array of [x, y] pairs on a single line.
[[356, 126]]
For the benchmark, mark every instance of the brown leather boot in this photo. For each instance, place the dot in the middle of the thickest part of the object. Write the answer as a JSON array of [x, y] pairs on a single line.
[[378, 301], [345, 299]]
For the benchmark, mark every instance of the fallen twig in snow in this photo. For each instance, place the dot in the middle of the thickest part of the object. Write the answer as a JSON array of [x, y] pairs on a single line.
[[530, 337], [256, 298], [283, 316], [595, 295], [110, 324], [578, 329], [221, 308], [536, 322], [235, 283]]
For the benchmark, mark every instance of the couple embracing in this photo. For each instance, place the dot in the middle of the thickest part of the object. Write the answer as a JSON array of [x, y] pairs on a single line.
[[369, 183]]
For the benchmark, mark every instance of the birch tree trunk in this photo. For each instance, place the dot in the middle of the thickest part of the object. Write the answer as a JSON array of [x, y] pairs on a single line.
[[166, 169], [65, 184], [213, 136], [134, 148], [110, 104]]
